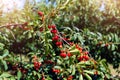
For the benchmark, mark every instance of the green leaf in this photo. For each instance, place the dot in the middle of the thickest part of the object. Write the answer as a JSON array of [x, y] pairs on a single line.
[[34, 72], [12, 78], [89, 72], [73, 69], [102, 75], [116, 38], [81, 77], [57, 67], [5, 53], [1, 57], [59, 62], [19, 75], [112, 47], [30, 53], [5, 75], [72, 47], [87, 76], [1, 46], [5, 64], [75, 51], [39, 75]]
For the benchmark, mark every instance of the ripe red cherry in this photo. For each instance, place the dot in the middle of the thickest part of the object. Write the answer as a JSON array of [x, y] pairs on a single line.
[[69, 54], [80, 49], [53, 27], [70, 77], [49, 26], [55, 38], [37, 65], [56, 70], [40, 13], [41, 29], [86, 57], [106, 45], [54, 31], [63, 55], [86, 52], [80, 58], [58, 43]]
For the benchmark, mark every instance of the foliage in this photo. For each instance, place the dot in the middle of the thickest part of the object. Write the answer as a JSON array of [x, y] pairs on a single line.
[[41, 48], [65, 60], [100, 46]]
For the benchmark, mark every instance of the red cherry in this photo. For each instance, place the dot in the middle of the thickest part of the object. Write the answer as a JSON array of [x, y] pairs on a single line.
[[40, 13], [80, 49], [49, 26], [70, 77], [56, 70], [106, 45], [55, 38], [41, 29], [14, 67], [80, 58], [71, 43], [53, 27], [77, 46], [54, 31], [60, 46], [69, 54], [63, 55], [85, 57], [37, 65], [86, 52], [58, 43]]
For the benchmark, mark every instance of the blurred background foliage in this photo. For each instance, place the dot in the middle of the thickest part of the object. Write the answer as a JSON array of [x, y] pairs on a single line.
[[97, 15]]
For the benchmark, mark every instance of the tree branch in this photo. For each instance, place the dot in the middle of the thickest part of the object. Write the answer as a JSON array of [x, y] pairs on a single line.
[[17, 24]]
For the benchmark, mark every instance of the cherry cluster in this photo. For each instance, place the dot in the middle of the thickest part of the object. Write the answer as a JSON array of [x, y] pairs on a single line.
[[15, 67], [36, 63], [58, 40]]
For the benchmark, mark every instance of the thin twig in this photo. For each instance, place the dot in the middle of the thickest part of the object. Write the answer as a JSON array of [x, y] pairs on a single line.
[[17, 24]]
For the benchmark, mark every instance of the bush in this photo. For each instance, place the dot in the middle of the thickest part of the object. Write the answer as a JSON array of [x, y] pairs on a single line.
[[39, 49]]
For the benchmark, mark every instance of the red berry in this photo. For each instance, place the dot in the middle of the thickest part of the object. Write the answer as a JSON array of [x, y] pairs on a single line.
[[71, 43], [80, 49], [14, 67], [58, 43], [49, 26], [56, 70], [53, 27], [69, 54], [63, 55], [41, 29], [40, 13], [54, 31], [106, 45], [55, 38], [86, 52], [80, 58], [70, 77], [37, 65], [85, 57]]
